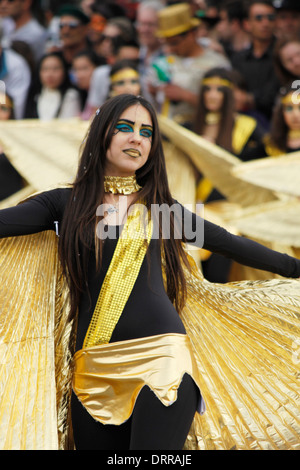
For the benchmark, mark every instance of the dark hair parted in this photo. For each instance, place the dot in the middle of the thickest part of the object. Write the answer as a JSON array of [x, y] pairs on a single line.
[[77, 234], [282, 73], [278, 128]]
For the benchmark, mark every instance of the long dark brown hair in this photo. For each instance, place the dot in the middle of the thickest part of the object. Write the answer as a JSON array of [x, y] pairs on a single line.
[[278, 128], [282, 73], [77, 234], [224, 138]]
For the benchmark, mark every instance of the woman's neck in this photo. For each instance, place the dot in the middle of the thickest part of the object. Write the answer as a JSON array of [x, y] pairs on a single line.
[[293, 139]]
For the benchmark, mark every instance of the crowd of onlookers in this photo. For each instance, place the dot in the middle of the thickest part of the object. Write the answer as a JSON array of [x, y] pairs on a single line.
[[64, 59]]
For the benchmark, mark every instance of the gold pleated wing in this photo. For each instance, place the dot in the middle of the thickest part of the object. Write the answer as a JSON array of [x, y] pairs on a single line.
[[215, 164], [246, 338], [45, 153], [280, 174], [35, 345]]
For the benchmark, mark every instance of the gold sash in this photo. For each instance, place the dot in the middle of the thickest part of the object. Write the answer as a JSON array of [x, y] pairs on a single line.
[[121, 276], [243, 128]]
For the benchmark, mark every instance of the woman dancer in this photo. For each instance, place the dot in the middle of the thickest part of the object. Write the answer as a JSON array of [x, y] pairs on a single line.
[[135, 380]]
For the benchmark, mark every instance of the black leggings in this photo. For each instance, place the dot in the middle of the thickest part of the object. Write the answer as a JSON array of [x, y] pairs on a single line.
[[152, 425]]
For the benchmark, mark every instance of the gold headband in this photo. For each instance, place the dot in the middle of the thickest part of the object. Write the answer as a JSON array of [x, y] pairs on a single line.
[[4, 99], [123, 74], [289, 99], [217, 81]]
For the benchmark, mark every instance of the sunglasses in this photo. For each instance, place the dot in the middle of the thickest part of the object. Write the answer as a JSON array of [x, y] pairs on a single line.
[[270, 17], [68, 24]]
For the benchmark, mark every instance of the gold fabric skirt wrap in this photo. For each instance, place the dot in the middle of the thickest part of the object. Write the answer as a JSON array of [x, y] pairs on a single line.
[[108, 378]]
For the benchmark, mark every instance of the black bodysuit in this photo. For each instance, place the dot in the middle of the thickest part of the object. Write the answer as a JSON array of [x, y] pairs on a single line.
[[147, 312]]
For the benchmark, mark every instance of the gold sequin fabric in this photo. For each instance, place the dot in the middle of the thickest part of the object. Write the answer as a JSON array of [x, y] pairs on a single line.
[[120, 277]]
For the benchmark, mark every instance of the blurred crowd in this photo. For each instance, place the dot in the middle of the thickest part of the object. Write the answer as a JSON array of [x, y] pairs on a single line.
[[226, 69]]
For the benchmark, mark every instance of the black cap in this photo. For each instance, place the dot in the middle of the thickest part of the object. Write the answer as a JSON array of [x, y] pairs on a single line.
[[287, 5], [72, 10]]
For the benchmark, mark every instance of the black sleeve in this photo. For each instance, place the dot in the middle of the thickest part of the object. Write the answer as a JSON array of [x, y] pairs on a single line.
[[10, 180], [34, 215], [242, 250]]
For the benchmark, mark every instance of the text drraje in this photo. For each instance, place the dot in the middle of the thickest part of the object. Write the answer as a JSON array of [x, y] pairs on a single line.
[[169, 459]]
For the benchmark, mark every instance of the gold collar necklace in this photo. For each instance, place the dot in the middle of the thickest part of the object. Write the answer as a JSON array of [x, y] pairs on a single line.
[[212, 118], [121, 184], [294, 134]]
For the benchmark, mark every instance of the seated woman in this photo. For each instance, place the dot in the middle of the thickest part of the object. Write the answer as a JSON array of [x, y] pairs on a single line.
[[52, 95], [287, 59], [124, 78], [217, 121], [284, 134]]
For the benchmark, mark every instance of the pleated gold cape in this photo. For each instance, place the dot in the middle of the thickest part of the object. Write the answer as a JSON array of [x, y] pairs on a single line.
[[245, 337]]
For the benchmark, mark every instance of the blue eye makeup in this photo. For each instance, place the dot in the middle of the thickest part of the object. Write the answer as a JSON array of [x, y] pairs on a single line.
[[124, 126], [146, 131]]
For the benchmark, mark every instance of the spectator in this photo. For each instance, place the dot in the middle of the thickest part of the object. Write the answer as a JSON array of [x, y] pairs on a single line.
[[284, 135], [73, 27], [287, 18], [287, 59], [256, 63], [15, 74], [230, 28], [83, 66], [127, 50], [217, 120], [150, 44], [26, 27], [95, 29], [116, 28], [100, 14], [124, 78], [177, 82], [52, 95], [10, 180]]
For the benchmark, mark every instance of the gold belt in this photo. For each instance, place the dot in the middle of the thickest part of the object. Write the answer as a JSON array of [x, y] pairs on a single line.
[[108, 378]]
